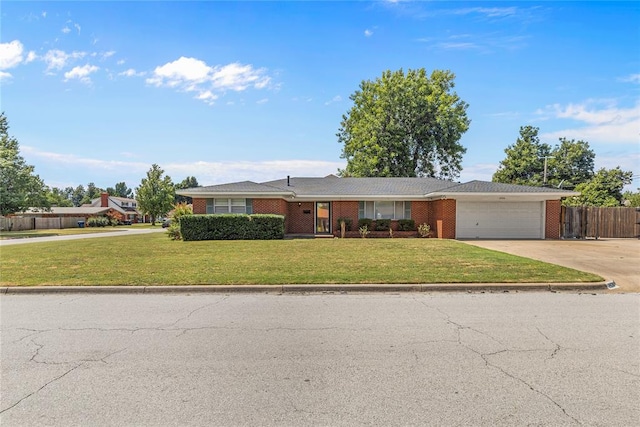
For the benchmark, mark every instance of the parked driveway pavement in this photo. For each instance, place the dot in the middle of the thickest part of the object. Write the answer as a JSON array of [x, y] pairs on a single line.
[[613, 259]]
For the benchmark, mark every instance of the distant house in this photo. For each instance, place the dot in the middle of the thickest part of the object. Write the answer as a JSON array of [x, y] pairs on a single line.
[[125, 209], [120, 208], [471, 210]]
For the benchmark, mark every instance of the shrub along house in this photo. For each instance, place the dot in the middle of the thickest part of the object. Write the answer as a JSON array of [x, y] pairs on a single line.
[[476, 209]]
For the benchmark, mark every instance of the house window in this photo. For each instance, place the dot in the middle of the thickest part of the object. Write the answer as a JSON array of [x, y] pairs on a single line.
[[225, 206], [384, 210]]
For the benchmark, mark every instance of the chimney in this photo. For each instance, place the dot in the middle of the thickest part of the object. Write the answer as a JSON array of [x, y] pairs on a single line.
[[288, 181], [104, 200]]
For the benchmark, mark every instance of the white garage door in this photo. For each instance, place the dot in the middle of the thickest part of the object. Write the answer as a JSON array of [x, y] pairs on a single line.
[[499, 220]]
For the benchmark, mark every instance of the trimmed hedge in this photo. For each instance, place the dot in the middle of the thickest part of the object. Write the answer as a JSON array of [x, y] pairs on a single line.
[[232, 227], [382, 224], [406, 225]]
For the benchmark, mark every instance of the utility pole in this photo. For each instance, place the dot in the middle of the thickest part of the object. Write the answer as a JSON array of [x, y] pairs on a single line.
[[544, 179]]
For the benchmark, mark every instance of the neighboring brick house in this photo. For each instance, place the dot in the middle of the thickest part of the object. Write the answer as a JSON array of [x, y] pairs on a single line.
[[471, 210], [123, 208], [120, 208]]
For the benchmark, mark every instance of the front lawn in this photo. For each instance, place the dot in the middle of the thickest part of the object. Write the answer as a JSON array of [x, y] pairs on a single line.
[[153, 259]]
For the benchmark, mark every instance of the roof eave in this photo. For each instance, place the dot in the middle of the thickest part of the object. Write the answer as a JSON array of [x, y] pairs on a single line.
[[550, 195]]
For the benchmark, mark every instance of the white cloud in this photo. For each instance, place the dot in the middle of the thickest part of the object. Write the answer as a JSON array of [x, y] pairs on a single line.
[[132, 73], [478, 171], [81, 73], [368, 33], [207, 173], [490, 12], [120, 61], [633, 78], [194, 75], [57, 59], [10, 54], [66, 30], [108, 54], [262, 101], [601, 122], [5, 76], [336, 98], [210, 173], [77, 27], [31, 56]]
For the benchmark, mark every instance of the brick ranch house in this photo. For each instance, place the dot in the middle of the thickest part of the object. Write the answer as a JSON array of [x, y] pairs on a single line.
[[472, 210]]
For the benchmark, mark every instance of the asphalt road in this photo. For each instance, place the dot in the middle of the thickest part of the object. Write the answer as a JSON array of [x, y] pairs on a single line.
[[321, 359]]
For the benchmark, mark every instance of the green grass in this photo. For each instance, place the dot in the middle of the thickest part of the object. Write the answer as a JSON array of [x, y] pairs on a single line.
[[153, 259]]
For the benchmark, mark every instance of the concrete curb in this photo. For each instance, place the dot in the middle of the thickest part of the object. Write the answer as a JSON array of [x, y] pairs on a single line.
[[296, 289]]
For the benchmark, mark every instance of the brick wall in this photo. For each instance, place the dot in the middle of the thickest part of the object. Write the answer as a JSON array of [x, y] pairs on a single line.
[[420, 212], [199, 206], [445, 211], [552, 219], [298, 220], [345, 209]]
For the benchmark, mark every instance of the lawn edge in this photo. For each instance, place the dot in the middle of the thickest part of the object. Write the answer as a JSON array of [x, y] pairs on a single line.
[[427, 287]]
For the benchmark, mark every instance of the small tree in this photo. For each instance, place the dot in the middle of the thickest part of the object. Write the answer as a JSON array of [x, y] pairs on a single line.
[[180, 210], [20, 188], [155, 193]]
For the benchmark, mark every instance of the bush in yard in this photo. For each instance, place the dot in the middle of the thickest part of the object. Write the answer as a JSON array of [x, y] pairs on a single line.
[[179, 211], [406, 225], [232, 227], [368, 222], [97, 221], [383, 224], [424, 230], [348, 223]]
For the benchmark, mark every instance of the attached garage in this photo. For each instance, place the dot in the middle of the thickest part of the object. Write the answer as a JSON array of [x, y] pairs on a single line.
[[500, 220]]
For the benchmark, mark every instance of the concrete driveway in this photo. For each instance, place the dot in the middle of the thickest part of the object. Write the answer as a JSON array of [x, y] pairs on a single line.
[[613, 259]]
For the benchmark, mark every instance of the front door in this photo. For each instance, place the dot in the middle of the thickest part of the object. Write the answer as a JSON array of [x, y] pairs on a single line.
[[323, 217]]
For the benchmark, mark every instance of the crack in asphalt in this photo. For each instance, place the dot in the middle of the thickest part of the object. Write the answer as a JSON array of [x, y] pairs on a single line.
[[82, 363], [484, 356], [557, 346], [38, 390]]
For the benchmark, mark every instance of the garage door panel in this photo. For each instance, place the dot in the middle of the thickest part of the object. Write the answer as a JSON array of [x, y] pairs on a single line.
[[499, 220]]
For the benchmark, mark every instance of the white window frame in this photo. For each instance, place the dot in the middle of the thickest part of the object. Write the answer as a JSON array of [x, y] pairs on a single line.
[[371, 209], [231, 205]]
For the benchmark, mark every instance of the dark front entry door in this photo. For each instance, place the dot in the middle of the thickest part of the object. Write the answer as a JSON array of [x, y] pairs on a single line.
[[323, 217]]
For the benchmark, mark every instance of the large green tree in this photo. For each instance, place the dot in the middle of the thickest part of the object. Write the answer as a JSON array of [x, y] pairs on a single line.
[[20, 187], [92, 192], [60, 197], [569, 163], [155, 193], [604, 189], [188, 182], [404, 125], [524, 163], [120, 190]]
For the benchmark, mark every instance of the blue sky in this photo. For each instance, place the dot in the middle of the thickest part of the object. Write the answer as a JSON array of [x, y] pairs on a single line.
[[232, 91]]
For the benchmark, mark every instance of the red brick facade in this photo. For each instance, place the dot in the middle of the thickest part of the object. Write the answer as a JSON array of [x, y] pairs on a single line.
[[199, 206], [552, 219], [442, 218], [300, 217], [439, 214]]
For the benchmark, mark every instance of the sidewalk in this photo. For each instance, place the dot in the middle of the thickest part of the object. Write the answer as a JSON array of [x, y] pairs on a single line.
[[121, 232]]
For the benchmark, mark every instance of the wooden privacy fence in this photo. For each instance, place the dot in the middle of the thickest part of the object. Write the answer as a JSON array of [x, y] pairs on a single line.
[[21, 223], [588, 221], [16, 224]]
